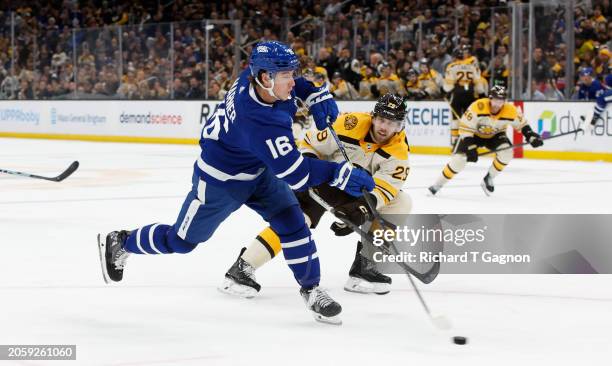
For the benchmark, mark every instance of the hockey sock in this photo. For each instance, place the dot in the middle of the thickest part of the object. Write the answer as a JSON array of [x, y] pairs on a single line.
[[265, 247], [299, 249], [499, 163], [496, 168], [156, 239], [454, 166]]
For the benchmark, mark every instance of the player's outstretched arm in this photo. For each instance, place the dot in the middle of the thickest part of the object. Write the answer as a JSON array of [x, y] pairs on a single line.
[[275, 146]]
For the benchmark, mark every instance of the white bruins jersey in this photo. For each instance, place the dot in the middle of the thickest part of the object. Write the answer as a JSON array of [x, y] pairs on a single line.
[[387, 163], [478, 120], [461, 73]]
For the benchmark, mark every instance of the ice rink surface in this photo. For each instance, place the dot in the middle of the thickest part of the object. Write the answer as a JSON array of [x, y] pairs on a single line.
[[167, 310]]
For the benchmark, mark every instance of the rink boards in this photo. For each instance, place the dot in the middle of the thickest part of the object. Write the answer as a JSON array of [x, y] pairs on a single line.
[[427, 124]]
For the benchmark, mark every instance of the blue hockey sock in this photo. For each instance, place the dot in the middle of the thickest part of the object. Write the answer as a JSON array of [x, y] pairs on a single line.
[[156, 239], [299, 249]]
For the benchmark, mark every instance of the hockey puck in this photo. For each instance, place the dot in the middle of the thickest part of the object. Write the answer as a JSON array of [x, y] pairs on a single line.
[[459, 340]]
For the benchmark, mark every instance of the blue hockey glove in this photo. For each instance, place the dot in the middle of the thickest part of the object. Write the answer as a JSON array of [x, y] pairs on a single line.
[[323, 107], [352, 180]]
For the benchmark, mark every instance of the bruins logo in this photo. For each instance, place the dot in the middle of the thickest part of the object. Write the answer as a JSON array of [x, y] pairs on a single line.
[[480, 105], [486, 130], [350, 122]]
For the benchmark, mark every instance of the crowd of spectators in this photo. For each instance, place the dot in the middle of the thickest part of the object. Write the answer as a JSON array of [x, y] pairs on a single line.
[[158, 50]]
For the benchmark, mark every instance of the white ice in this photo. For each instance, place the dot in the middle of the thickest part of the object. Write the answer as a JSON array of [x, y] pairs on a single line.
[[167, 310]]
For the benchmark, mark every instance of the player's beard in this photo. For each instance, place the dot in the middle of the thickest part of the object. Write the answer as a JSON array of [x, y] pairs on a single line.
[[380, 139]]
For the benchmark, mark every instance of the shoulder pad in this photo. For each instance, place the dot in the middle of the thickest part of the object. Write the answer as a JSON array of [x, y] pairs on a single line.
[[354, 125]]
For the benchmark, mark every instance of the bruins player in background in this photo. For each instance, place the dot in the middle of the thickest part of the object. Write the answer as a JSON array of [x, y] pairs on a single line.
[[462, 80], [484, 125], [376, 142]]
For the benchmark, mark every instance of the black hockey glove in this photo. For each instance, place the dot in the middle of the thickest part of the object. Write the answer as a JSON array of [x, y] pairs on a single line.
[[467, 145], [340, 229], [356, 211], [533, 138]]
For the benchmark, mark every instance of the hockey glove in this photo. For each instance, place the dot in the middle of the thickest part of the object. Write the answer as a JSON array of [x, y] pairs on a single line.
[[356, 211], [352, 180], [323, 107], [472, 155], [533, 138], [468, 146], [340, 229]]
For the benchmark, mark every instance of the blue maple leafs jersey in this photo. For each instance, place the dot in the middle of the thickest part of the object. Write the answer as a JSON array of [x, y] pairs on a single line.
[[245, 136], [601, 102], [590, 92]]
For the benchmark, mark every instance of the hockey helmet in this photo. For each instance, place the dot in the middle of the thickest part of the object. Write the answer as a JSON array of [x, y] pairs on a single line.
[[391, 106], [457, 53], [272, 57], [498, 92]]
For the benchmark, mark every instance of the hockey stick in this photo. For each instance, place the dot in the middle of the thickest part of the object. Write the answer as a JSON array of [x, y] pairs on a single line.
[[457, 116], [65, 174], [575, 132], [439, 321], [367, 198], [388, 248]]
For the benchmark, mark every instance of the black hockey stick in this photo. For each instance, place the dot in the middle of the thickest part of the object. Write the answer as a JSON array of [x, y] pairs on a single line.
[[574, 132], [65, 174], [387, 247], [367, 198], [439, 321], [457, 116]]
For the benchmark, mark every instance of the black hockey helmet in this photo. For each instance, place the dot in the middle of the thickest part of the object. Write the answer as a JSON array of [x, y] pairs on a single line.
[[457, 52], [391, 106], [498, 92]]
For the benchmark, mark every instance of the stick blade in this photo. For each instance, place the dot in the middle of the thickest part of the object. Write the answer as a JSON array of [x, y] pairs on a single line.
[[71, 169]]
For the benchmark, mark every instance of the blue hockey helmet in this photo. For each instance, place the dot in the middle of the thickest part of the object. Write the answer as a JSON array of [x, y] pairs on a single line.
[[586, 71], [272, 56]]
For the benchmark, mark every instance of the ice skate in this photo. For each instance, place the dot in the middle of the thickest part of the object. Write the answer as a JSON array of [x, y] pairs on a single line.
[[112, 255], [240, 279], [487, 184], [323, 308], [365, 279], [434, 189]]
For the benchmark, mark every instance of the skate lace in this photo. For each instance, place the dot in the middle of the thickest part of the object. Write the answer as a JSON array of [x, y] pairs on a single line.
[[248, 270], [321, 297], [120, 258], [371, 267]]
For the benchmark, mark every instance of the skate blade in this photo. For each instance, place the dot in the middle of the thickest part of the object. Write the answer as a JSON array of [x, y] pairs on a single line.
[[232, 288], [333, 320], [102, 252], [360, 286], [484, 188]]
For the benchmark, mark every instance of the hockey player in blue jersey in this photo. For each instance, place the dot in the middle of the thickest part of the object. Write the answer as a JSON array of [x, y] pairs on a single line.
[[589, 88], [249, 158], [603, 99]]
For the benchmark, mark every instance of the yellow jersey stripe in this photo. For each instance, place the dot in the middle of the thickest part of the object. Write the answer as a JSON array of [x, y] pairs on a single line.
[[386, 186]]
